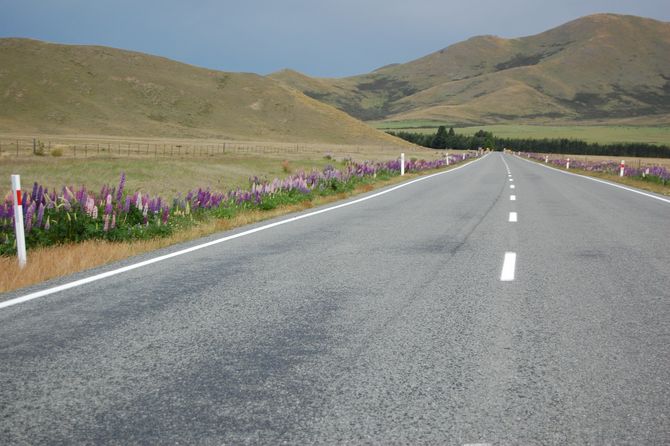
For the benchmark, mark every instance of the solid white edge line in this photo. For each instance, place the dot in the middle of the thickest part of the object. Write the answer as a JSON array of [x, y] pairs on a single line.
[[512, 217], [598, 181], [509, 263], [76, 283]]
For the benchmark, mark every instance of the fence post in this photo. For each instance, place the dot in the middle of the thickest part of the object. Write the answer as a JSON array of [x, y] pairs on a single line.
[[18, 220], [402, 164]]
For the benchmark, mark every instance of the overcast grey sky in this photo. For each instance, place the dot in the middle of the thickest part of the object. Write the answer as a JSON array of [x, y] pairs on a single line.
[[328, 38]]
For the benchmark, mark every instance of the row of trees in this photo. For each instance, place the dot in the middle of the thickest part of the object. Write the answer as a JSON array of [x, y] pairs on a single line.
[[449, 139]]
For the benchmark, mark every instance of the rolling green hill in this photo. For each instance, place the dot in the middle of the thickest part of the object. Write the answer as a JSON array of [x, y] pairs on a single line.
[[65, 89], [600, 68]]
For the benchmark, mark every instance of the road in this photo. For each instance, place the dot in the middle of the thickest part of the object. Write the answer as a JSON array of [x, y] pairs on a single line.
[[382, 322]]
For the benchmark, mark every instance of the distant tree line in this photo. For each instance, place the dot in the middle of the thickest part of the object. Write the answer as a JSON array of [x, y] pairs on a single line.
[[448, 139]]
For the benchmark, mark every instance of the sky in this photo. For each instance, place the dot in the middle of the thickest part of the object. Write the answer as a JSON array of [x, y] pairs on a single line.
[[326, 38]]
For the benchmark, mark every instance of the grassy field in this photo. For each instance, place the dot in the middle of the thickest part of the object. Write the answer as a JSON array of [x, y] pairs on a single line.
[[595, 134], [629, 181], [169, 176], [632, 162]]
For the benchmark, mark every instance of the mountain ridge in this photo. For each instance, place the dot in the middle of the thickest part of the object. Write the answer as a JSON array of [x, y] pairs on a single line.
[[49, 88], [603, 66]]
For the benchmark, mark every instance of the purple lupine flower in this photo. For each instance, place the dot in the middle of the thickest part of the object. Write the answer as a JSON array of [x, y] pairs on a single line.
[[126, 206], [166, 215], [122, 184], [108, 205], [40, 215], [89, 205], [113, 220], [34, 193], [29, 217]]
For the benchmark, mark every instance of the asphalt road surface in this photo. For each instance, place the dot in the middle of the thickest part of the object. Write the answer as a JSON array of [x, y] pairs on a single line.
[[383, 322]]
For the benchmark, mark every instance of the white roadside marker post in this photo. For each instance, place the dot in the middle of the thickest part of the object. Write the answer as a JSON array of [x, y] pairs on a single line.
[[621, 168], [567, 164], [402, 164], [446, 155], [464, 157], [18, 220], [546, 159]]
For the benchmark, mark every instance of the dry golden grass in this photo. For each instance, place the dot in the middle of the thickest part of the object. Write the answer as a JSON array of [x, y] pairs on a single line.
[[632, 162], [628, 181], [633, 182], [204, 167], [57, 261]]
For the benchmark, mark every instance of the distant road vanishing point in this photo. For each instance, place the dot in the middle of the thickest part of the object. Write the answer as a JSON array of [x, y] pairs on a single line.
[[442, 312]]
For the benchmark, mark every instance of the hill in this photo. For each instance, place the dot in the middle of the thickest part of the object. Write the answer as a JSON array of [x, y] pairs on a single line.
[[67, 89], [597, 68]]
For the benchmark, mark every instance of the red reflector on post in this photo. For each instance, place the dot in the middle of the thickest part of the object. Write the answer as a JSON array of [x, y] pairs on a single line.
[[19, 201]]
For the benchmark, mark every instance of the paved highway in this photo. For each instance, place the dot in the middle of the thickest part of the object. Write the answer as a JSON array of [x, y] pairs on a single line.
[[426, 315]]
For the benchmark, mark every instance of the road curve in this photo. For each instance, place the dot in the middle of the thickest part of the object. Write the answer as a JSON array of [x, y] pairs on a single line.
[[382, 322]]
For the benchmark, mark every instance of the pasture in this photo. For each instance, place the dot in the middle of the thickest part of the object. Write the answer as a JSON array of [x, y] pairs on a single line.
[[169, 166], [658, 135]]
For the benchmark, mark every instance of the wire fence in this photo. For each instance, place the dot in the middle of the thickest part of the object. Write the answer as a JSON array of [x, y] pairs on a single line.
[[51, 148]]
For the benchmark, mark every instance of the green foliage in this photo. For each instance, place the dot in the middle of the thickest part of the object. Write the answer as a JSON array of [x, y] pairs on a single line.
[[440, 138], [486, 139]]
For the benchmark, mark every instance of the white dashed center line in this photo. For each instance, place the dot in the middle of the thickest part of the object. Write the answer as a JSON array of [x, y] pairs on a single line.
[[512, 198], [509, 264], [513, 217], [511, 186]]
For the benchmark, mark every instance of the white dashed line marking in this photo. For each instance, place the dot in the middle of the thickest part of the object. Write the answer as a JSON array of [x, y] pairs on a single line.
[[512, 217], [509, 264], [511, 186], [512, 198]]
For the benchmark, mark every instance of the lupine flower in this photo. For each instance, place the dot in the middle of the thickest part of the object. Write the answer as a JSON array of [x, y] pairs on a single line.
[[166, 215], [122, 184], [90, 207], [108, 205], [40, 215], [29, 217]]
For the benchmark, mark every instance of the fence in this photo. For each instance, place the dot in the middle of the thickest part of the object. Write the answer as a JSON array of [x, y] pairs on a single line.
[[35, 147]]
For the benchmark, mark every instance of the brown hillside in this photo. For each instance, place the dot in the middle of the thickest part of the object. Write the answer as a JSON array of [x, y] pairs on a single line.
[[66, 89], [600, 67]]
